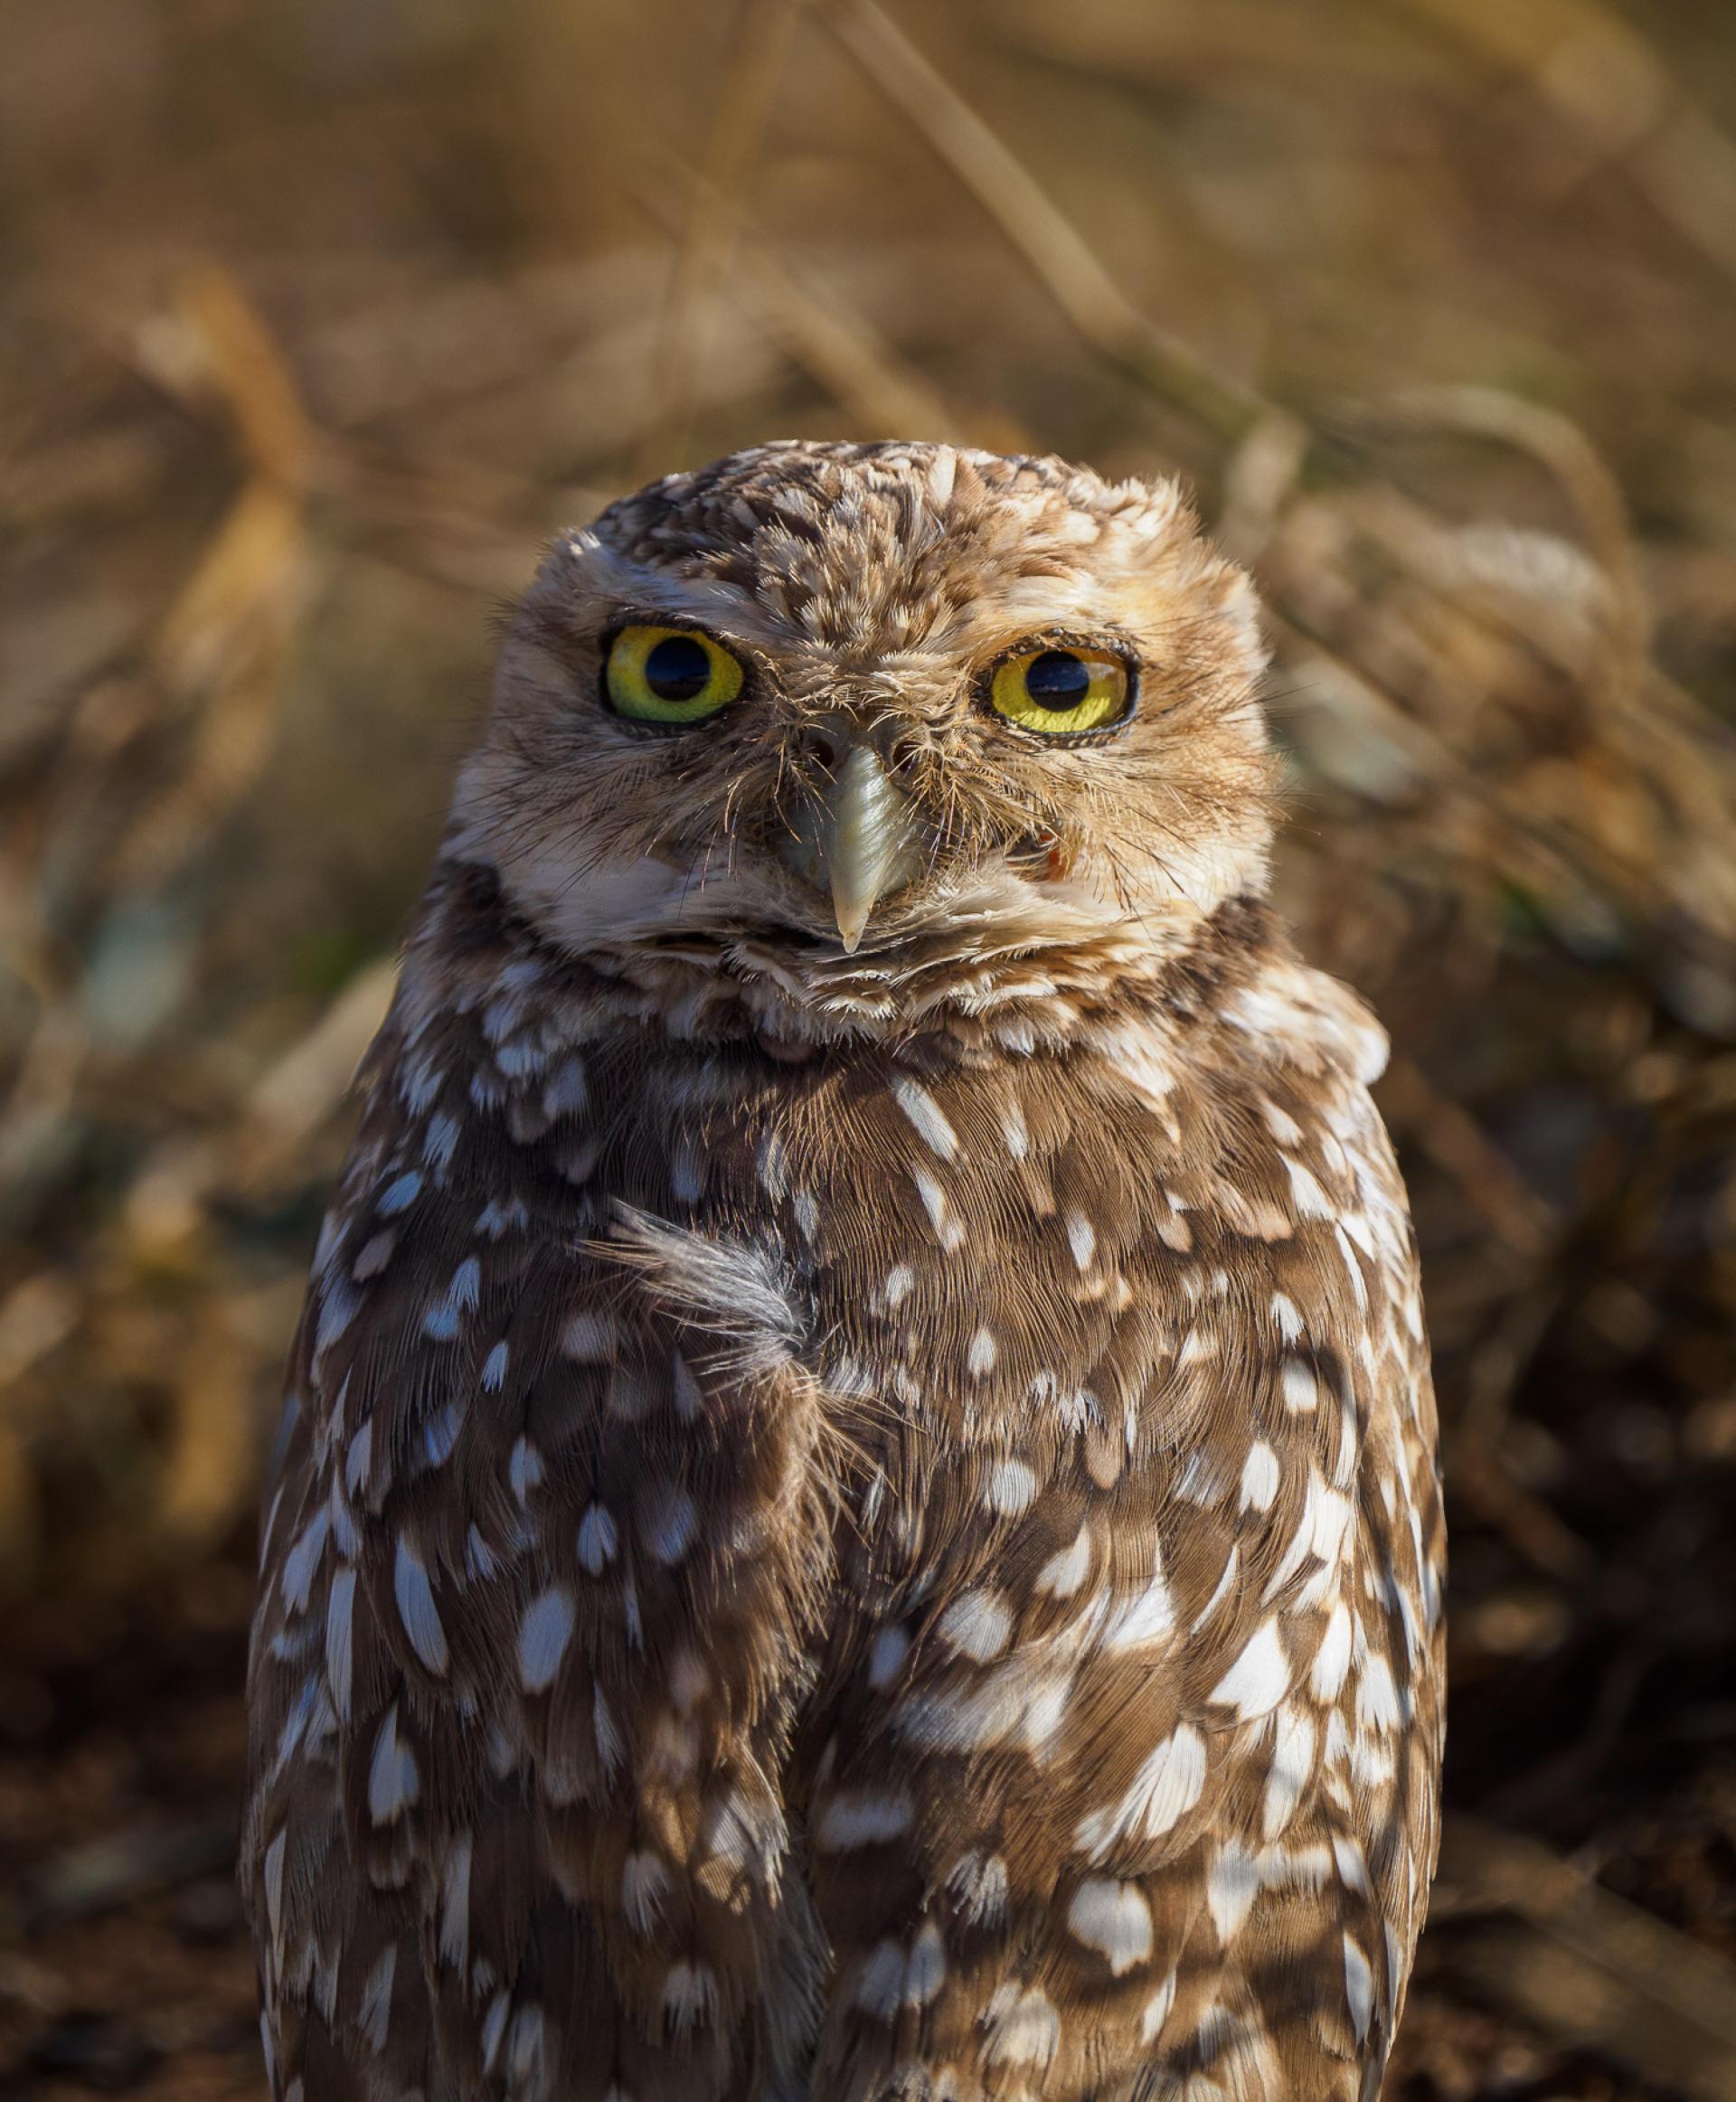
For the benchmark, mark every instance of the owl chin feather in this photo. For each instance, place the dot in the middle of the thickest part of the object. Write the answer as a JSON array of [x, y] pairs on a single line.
[[978, 941]]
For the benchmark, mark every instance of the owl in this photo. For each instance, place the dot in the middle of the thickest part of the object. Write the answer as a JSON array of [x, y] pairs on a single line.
[[857, 1514]]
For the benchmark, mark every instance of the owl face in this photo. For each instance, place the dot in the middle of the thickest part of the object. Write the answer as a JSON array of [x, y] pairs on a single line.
[[837, 717]]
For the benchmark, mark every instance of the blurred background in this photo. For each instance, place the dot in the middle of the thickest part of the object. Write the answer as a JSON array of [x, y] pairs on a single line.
[[318, 316]]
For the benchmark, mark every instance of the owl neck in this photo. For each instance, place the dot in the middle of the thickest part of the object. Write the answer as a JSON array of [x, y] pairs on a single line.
[[470, 947]]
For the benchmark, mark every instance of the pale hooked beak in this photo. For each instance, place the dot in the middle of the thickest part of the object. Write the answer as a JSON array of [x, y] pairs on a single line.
[[857, 841]]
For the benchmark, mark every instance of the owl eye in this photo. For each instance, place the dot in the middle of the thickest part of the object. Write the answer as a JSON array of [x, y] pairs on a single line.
[[1062, 693], [669, 675]]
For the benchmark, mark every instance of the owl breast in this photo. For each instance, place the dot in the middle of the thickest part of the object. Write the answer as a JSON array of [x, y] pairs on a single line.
[[913, 1567]]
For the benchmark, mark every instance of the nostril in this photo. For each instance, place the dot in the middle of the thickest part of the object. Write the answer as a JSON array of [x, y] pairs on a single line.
[[823, 749]]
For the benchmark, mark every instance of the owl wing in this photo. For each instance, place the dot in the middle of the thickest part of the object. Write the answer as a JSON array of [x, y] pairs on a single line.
[[538, 1565], [1131, 1784]]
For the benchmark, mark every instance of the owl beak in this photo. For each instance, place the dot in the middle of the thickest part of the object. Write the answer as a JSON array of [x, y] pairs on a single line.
[[864, 840]]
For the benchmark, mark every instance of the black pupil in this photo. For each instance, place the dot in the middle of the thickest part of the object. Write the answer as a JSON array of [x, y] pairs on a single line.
[[1057, 679], [677, 668]]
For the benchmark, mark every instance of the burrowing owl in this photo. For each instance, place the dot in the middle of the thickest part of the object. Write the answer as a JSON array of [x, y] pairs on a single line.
[[857, 1510]]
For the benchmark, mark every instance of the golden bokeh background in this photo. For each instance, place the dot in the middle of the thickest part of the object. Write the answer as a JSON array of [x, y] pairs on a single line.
[[317, 316]]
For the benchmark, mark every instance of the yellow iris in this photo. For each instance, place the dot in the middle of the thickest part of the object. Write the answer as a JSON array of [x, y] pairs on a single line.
[[1061, 692], [669, 675]]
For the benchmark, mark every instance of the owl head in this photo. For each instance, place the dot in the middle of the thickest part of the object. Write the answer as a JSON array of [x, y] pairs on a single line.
[[874, 728]]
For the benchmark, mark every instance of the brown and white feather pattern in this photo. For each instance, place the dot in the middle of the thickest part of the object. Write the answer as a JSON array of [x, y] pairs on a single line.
[[904, 1566]]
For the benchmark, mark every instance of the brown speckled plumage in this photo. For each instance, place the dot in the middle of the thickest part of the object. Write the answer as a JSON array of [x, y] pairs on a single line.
[[857, 1524]]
